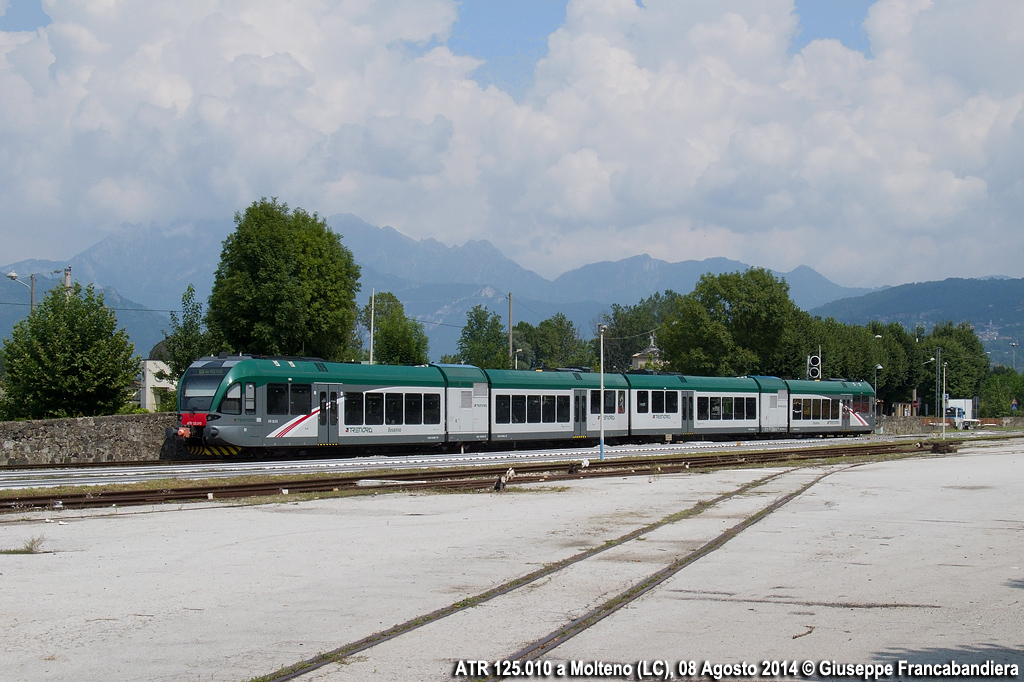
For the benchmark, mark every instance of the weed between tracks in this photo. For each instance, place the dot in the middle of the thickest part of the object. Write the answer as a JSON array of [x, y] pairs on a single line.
[[32, 546]]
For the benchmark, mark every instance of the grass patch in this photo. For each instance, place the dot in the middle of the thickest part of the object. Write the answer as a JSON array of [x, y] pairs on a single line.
[[33, 545]]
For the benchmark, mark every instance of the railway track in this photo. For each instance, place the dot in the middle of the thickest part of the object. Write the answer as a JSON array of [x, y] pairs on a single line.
[[513, 664], [467, 478]]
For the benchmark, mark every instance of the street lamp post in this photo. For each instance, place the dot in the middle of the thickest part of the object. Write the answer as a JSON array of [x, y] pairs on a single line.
[[601, 328], [518, 351], [13, 276], [1013, 346], [877, 367]]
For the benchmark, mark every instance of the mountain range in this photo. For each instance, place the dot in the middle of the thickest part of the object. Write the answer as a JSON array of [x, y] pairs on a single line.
[[145, 269]]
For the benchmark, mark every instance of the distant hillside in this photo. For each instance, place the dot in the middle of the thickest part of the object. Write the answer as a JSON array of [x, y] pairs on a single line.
[[995, 307], [437, 283], [145, 327]]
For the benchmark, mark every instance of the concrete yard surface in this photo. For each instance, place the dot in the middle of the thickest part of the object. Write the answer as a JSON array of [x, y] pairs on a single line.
[[917, 559]]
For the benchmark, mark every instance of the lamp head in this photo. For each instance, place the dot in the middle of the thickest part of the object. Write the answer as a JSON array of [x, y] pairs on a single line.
[[12, 275]]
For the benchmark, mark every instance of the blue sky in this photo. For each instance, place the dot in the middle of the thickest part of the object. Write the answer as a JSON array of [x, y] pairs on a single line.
[[878, 143]]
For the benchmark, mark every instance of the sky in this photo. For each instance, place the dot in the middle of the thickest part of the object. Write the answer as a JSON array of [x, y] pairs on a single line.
[[878, 143]]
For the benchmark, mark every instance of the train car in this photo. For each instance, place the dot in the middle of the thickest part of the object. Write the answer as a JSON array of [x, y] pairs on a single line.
[[830, 407], [659, 408], [238, 402], [724, 405], [553, 405]]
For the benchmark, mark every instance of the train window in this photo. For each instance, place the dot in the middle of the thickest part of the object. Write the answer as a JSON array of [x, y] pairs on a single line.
[[231, 403], [641, 402], [519, 409], [393, 408], [658, 402], [413, 408], [374, 409], [595, 402], [816, 408], [672, 402], [301, 399], [727, 408], [716, 408], [353, 409], [533, 409], [563, 407], [739, 408], [547, 409], [835, 409], [323, 408], [502, 409], [198, 386], [250, 398], [432, 408], [609, 402], [622, 402], [277, 398], [334, 408], [807, 408], [798, 408], [751, 408], [702, 408]]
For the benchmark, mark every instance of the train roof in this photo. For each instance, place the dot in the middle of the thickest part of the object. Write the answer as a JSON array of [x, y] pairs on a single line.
[[734, 384], [532, 379], [314, 370], [830, 387], [462, 376]]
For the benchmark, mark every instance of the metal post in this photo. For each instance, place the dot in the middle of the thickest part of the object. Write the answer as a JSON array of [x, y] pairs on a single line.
[[510, 326], [373, 296], [601, 328], [938, 364], [944, 401]]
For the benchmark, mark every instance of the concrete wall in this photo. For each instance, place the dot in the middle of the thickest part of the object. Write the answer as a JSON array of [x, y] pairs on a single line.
[[118, 438], [901, 426]]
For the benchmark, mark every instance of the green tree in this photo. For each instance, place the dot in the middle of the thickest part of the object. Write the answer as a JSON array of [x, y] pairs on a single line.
[[285, 286], [67, 358], [397, 339], [733, 323], [963, 358], [558, 344], [629, 328], [188, 340], [998, 392], [484, 342]]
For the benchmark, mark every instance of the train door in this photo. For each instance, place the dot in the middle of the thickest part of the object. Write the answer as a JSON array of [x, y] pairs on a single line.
[[328, 396], [844, 413], [579, 413], [686, 406]]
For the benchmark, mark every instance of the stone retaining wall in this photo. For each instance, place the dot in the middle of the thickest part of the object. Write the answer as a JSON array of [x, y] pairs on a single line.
[[902, 426], [118, 438]]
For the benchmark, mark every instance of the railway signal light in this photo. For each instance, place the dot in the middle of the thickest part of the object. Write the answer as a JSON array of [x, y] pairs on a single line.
[[813, 367]]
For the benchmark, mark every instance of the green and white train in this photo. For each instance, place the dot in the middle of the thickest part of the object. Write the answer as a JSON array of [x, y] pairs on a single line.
[[278, 406]]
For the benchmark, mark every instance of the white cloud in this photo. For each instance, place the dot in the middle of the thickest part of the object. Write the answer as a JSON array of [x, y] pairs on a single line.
[[686, 130]]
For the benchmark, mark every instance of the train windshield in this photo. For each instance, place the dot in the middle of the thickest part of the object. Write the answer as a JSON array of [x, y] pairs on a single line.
[[198, 385]]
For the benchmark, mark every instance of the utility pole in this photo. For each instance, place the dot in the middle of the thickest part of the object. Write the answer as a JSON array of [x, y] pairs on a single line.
[[511, 356]]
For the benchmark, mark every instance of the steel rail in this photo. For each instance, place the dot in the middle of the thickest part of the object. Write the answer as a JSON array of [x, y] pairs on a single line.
[[475, 477]]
